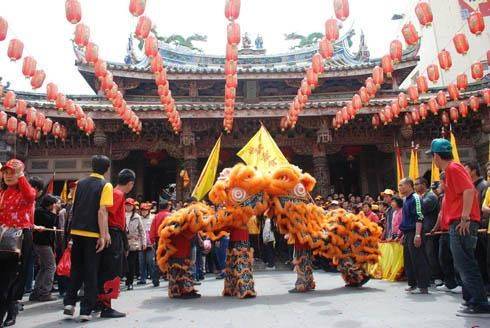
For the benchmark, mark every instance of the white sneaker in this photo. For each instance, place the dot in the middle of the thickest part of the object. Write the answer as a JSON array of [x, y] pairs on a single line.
[[438, 282], [84, 318], [443, 288], [69, 311], [457, 290]]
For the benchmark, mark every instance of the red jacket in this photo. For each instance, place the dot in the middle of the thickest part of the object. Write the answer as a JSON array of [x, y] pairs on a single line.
[[17, 205], [157, 221]]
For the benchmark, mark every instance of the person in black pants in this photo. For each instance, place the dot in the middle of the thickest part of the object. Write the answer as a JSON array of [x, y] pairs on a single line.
[[90, 235]]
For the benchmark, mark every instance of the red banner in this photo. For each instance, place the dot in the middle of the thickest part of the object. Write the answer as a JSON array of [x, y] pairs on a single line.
[[468, 6]]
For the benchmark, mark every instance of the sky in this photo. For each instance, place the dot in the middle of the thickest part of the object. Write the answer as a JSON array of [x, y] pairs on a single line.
[[47, 35]]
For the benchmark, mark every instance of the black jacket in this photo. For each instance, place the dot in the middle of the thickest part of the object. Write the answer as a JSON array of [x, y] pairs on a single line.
[[45, 218], [481, 185]]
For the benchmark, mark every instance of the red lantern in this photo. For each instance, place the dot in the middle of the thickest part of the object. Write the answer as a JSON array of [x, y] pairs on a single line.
[[232, 9], [376, 121], [151, 46], [445, 60], [477, 71], [317, 63], [453, 91], [462, 81], [161, 77], [331, 30], [341, 8], [38, 79], [21, 129], [325, 48], [92, 53], [47, 126], [463, 109], [231, 52], [364, 95], [90, 126], [395, 108], [402, 100], [106, 82], [100, 68], [16, 47], [40, 118], [422, 84], [387, 64], [233, 31], [413, 93], [311, 77], [4, 26], [423, 111], [230, 93], [31, 116], [415, 116], [424, 13], [3, 120], [79, 112], [12, 125], [230, 67], [388, 113], [441, 98], [474, 103], [476, 22], [433, 73], [396, 51], [63, 133], [378, 76], [70, 107], [486, 96], [60, 101], [157, 63], [137, 7], [305, 88], [9, 100], [382, 117], [21, 108], [232, 81], [453, 114], [81, 123], [371, 87], [29, 66], [56, 130], [410, 34], [73, 11], [433, 106], [163, 90], [51, 91], [143, 28], [82, 35], [356, 102], [445, 118], [461, 43]]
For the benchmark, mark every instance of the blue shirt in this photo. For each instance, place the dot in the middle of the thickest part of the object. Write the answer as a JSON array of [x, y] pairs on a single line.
[[411, 213]]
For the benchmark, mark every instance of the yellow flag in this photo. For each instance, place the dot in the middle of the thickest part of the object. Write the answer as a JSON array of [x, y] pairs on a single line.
[[64, 193], [455, 148], [262, 152], [413, 169], [435, 173], [399, 165], [208, 174]]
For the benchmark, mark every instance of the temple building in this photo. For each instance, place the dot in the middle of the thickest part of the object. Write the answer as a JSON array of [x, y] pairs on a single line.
[[356, 158]]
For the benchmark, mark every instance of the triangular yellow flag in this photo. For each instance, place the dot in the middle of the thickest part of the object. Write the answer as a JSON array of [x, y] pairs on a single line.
[[64, 193], [262, 152], [455, 148], [435, 173], [399, 165], [208, 174], [413, 169]]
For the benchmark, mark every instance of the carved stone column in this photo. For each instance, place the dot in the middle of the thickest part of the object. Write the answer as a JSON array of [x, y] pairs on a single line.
[[321, 171], [188, 141]]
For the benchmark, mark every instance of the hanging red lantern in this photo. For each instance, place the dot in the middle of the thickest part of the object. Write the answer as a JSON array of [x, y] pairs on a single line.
[[21, 129], [9, 100], [339, 118], [15, 49], [36, 135], [378, 76], [445, 118], [60, 101], [357, 102], [462, 81], [3, 120], [106, 82], [4, 26], [51, 91], [463, 109], [81, 123], [331, 30], [143, 28], [232, 81], [233, 31], [317, 63], [82, 35], [38, 79], [157, 63], [31, 115], [382, 118], [161, 77], [12, 124], [56, 130], [476, 23], [433, 106], [410, 34], [40, 118], [47, 126], [433, 73], [73, 11], [477, 71], [89, 126], [424, 13], [441, 98], [341, 8], [231, 52], [395, 108], [79, 112], [100, 68], [151, 46], [423, 111], [453, 91], [92, 53], [396, 51], [375, 121], [137, 7], [403, 100], [413, 93], [387, 65], [415, 116], [422, 84], [63, 133], [305, 88], [453, 114], [461, 43], [230, 93], [163, 90], [311, 77], [232, 9], [231, 67], [445, 60], [364, 95], [371, 87], [388, 113], [474, 103], [21, 108], [486, 96], [325, 48], [70, 107], [29, 66]]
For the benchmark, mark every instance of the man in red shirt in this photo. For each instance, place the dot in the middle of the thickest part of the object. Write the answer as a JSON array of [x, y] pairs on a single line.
[[462, 215], [111, 262], [165, 208]]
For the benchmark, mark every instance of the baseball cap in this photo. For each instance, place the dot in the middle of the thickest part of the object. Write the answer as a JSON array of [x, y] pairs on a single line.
[[388, 192], [130, 201], [146, 206], [11, 164], [440, 146]]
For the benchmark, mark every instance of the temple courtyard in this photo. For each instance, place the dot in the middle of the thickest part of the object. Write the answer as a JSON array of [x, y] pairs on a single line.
[[378, 304]]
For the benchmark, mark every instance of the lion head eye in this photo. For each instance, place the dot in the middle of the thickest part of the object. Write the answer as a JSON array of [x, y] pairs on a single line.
[[238, 194], [299, 190]]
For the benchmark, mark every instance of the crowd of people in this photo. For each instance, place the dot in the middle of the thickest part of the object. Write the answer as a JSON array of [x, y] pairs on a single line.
[[112, 239]]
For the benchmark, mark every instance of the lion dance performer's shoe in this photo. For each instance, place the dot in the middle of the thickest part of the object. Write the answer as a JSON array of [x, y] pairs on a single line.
[[180, 283], [304, 271], [239, 279]]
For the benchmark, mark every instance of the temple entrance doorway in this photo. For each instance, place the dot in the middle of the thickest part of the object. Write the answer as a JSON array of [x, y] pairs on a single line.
[[345, 171]]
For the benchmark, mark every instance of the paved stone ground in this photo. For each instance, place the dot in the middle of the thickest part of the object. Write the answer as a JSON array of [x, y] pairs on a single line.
[[378, 304]]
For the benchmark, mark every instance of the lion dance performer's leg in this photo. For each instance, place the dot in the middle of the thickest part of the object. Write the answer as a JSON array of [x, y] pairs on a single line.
[[180, 283], [304, 269], [239, 279], [353, 274]]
